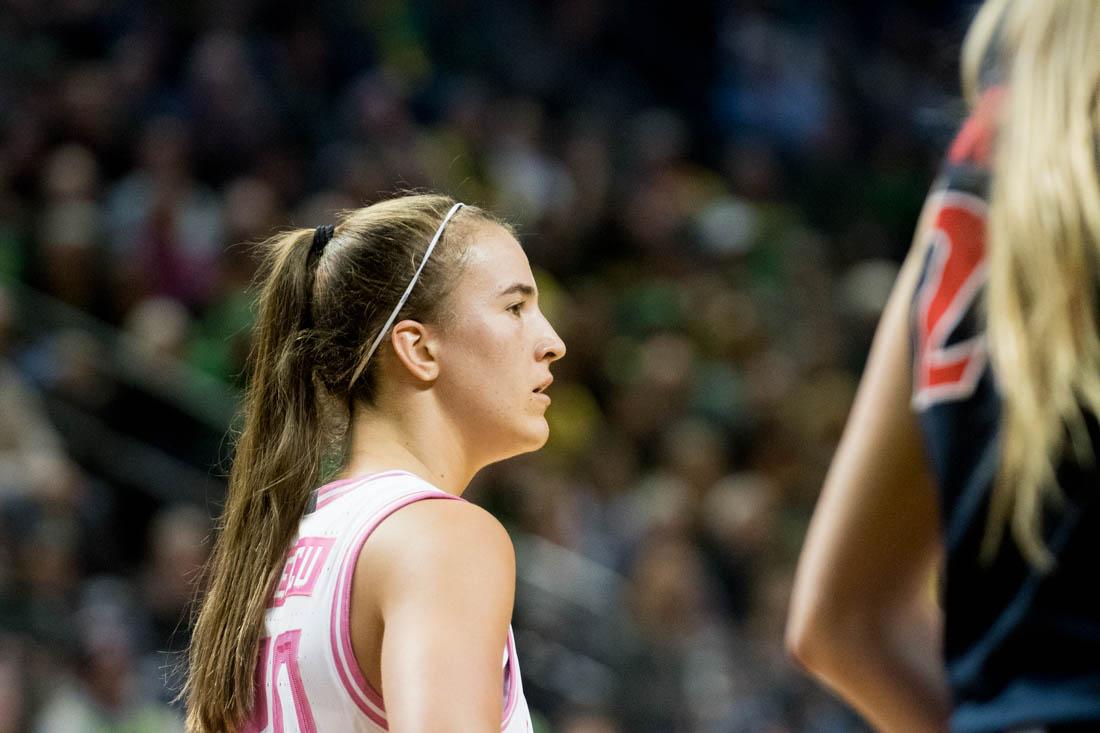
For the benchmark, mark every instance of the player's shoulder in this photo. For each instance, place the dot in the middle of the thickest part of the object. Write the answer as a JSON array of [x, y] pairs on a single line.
[[443, 536], [447, 520]]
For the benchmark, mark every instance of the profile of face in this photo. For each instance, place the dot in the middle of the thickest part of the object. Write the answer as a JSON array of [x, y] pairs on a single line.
[[495, 348]]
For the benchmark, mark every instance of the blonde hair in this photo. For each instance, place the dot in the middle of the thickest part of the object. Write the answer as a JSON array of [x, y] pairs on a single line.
[[317, 312], [1043, 249]]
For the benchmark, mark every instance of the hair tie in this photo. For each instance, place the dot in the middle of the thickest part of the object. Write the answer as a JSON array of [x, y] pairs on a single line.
[[321, 237]]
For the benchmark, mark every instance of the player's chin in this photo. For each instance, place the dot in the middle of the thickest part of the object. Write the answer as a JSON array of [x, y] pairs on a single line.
[[525, 436], [536, 434]]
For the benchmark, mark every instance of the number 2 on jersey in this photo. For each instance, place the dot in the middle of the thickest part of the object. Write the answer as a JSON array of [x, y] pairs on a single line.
[[954, 273]]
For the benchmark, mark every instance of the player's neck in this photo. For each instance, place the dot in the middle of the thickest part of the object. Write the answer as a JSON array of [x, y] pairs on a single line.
[[386, 442]]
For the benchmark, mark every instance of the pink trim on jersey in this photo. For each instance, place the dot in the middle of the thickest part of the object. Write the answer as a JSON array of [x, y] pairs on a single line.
[[332, 485], [333, 490], [357, 686], [512, 678]]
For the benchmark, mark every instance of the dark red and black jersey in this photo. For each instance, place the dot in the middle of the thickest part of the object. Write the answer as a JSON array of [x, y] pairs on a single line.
[[1022, 648]]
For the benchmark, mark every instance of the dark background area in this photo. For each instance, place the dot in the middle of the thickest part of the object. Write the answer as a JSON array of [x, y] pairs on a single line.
[[715, 197]]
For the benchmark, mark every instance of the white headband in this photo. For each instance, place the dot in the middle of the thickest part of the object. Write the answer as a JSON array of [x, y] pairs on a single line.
[[401, 303]]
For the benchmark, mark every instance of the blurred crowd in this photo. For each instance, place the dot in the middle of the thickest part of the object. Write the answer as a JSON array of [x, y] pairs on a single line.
[[715, 197]]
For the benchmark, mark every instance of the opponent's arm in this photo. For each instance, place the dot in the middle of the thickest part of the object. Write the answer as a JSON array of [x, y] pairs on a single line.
[[863, 617]]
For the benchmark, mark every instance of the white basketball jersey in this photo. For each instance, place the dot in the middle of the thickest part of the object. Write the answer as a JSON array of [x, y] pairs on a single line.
[[307, 677]]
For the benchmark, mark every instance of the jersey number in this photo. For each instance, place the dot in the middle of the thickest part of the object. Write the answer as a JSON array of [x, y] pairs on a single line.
[[285, 657], [953, 277]]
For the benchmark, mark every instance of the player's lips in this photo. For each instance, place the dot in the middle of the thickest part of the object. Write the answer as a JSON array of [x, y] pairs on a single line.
[[540, 390]]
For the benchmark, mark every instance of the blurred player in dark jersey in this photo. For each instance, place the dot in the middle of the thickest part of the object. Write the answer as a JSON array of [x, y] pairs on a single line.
[[971, 447]]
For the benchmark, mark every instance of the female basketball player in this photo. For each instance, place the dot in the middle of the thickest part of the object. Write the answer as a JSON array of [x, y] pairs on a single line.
[[376, 601], [998, 299]]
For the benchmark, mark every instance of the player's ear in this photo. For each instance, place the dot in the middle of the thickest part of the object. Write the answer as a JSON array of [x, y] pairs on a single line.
[[415, 346]]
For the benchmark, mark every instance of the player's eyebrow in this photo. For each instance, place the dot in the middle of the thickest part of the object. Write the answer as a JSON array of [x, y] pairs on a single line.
[[521, 288]]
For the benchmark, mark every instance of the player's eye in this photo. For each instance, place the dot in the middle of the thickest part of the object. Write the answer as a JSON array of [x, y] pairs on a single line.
[[516, 308]]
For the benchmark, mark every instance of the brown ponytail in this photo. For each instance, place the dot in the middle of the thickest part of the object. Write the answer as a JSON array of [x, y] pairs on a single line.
[[277, 455]]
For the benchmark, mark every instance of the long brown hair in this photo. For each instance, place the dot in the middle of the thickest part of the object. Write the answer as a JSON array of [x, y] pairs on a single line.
[[317, 314], [1043, 249]]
